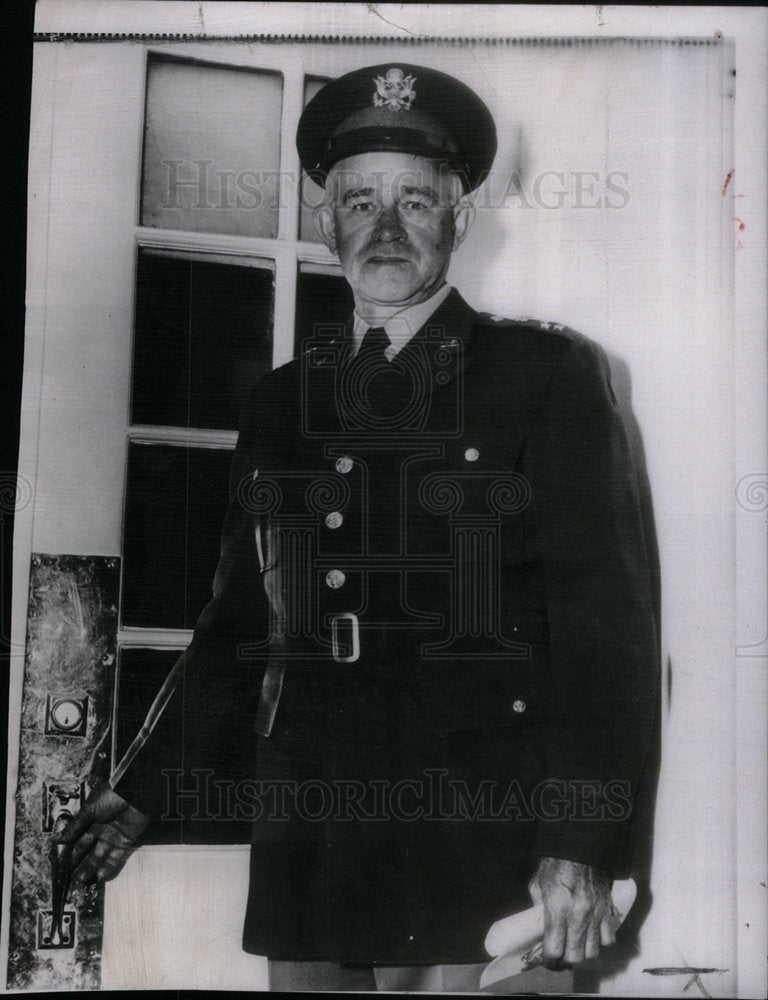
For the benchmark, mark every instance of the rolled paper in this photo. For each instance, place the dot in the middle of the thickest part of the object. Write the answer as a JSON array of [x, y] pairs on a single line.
[[513, 939]]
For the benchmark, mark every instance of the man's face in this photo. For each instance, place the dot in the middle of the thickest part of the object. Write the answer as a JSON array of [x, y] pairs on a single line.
[[393, 219]]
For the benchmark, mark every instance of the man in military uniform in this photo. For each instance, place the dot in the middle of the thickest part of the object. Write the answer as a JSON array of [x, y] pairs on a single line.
[[432, 620]]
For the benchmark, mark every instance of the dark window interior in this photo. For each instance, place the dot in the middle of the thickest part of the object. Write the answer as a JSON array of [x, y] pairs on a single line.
[[203, 336], [175, 506], [323, 304], [140, 674]]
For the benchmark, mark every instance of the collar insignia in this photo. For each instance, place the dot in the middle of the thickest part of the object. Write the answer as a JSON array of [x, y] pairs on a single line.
[[394, 91]]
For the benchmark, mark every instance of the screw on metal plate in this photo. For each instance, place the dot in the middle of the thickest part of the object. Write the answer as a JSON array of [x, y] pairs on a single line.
[[50, 935]]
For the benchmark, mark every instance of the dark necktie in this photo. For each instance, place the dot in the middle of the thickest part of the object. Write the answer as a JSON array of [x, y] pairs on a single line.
[[375, 342], [373, 386], [379, 387]]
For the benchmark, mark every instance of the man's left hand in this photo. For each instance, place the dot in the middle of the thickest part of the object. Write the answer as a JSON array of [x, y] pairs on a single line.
[[577, 910]]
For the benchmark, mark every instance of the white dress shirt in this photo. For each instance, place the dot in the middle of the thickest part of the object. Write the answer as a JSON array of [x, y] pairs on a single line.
[[401, 326]]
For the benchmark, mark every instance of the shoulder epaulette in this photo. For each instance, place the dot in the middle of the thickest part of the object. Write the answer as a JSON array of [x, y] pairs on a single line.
[[490, 319]]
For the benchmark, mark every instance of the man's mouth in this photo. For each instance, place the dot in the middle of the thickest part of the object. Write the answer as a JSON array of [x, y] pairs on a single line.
[[379, 258]]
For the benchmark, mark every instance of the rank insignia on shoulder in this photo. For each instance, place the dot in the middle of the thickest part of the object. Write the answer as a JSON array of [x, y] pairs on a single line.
[[497, 320], [557, 327]]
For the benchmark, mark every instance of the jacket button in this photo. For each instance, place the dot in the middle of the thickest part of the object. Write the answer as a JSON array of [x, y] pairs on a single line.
[[519, 706], [344, 464], [335, 578], [471, 454], [335, 519]]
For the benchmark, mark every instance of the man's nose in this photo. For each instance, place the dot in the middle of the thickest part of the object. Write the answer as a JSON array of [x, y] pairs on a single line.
[[389, 227]]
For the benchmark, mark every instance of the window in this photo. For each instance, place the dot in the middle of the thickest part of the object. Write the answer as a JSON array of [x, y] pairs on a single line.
[[224, 247], [211, 148], [202, 336], [175, 504]]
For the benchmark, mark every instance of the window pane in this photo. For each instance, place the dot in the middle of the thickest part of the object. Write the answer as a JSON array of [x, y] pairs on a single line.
[[175, 505], [211, 148], [323, 304], [203, 335], [139, 676], [311, 194], [140, 673]]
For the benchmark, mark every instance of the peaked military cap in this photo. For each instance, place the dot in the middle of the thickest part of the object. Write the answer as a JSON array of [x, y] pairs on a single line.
[[397, 107]]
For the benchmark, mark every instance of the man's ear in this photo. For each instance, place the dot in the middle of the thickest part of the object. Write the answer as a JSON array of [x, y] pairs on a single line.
[[463, 217], [325, 225]]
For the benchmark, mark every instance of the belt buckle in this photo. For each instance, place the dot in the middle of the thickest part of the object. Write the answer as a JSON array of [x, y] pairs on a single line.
[[355, 637]]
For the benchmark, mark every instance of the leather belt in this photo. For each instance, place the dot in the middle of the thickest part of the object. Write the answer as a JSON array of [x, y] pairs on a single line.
[[346, 626], [345, 648]]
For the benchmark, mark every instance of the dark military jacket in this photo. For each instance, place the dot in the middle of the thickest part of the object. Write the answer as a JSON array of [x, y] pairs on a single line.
[[432, 633]]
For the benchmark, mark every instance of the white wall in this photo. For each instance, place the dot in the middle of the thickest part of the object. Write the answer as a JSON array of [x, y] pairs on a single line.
[[650, 280]]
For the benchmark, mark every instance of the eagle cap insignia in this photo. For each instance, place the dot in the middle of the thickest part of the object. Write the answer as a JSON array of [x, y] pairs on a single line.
[[394, 91]]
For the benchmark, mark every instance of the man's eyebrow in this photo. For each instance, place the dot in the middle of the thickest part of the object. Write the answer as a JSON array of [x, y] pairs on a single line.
[[428, 192], [357, 193]]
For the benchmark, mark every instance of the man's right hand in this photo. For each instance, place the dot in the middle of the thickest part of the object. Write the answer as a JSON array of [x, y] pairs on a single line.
[[103, 835]]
